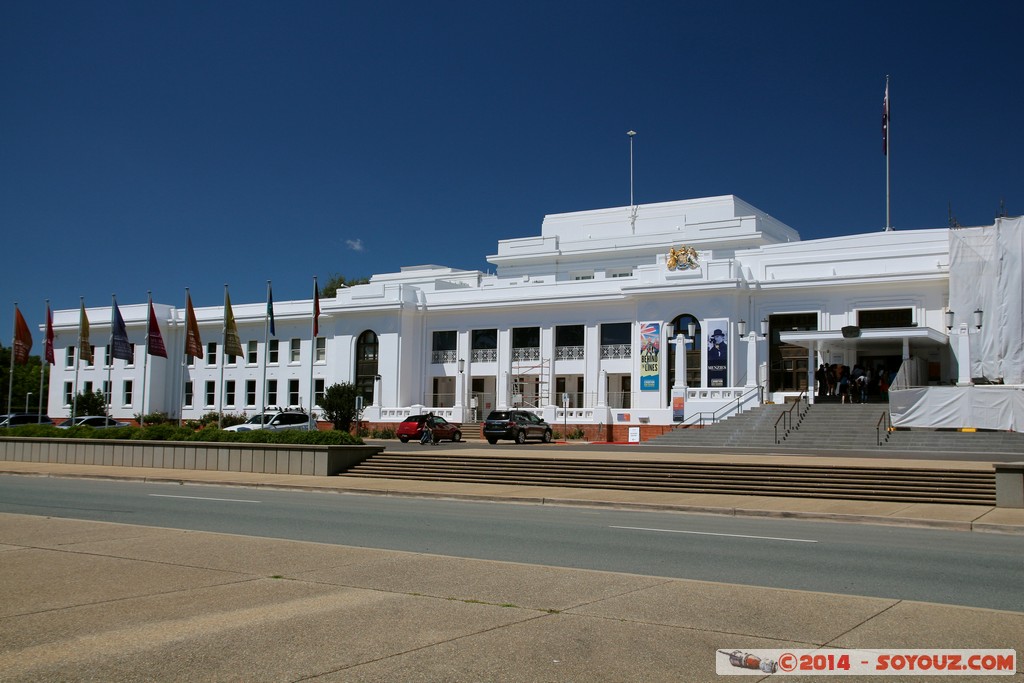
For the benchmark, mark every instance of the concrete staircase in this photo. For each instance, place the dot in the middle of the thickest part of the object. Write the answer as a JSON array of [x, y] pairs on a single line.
[[968, 487], [826, 427]]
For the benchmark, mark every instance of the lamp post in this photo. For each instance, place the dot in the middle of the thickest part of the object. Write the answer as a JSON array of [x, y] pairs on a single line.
[[460, 383], [964, 344], [27, 397]]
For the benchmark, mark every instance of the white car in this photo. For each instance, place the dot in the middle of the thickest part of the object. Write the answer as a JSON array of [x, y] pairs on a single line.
[[276, 421], [95, 421]]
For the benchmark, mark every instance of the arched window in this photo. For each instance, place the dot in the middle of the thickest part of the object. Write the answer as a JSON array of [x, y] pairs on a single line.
[[693, 369], [366, 364]]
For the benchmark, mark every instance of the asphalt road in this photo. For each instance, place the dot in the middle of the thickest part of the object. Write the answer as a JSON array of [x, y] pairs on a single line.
[[979, 570]]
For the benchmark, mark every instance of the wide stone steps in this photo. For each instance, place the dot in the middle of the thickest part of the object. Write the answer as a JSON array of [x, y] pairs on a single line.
[[909, 485]]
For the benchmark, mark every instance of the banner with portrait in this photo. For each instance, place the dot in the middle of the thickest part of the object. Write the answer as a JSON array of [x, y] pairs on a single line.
[[718, 352], [650, 356]]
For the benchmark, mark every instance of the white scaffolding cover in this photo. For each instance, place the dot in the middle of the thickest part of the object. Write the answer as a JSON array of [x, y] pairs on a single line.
[[986, 271]]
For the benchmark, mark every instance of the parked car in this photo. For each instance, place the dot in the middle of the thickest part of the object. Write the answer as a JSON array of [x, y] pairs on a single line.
[[18, 419], [412, 428], [279, 421], [94, 421], [518, 425]]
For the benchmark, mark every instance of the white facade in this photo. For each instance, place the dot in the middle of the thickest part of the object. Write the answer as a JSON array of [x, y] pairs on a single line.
[[564, 315]]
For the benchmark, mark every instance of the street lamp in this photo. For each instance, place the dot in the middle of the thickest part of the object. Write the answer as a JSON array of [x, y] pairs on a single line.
[[27, 397]]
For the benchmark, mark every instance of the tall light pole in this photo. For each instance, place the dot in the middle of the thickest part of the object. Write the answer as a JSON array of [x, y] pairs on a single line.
[[632, 204], [27, 397]]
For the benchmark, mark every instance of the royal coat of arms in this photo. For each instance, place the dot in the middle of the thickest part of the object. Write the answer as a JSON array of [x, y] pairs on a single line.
[[683, 258]]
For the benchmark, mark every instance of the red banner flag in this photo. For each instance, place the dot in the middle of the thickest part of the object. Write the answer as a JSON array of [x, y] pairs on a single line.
[[22, 338], [48, 346], [154, 340], [193, 343]]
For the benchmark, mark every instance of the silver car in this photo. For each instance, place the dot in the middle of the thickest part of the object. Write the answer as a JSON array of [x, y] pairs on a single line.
[[94, 421], [276, 421]]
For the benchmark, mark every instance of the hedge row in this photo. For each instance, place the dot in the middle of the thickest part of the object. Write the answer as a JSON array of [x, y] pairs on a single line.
[[169, 432]]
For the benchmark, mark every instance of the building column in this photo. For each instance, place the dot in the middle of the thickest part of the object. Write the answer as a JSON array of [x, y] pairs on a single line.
[[547, 351], [602, 389]]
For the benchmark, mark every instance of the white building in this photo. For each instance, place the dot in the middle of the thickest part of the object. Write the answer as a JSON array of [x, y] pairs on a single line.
[[573, 324]]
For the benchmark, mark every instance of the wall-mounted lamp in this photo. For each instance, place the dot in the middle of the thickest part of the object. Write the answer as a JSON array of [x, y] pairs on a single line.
[[977, 318], [949, 321], [462, 365], [764, 327], [741, 327], [669, 329], [692, 329]]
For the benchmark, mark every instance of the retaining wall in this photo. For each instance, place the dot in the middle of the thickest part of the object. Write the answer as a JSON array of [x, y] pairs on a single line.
[[187, 455]]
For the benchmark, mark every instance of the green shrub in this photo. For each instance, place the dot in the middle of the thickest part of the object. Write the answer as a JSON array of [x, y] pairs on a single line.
[[152, 419]]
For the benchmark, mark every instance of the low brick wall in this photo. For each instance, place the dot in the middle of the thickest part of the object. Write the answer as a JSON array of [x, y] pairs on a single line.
[[187, 455]]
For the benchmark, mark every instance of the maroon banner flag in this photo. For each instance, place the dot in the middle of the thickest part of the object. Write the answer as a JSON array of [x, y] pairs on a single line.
[[48, 346], [22, 338], [154, 340], [885, 121], [316, 308]]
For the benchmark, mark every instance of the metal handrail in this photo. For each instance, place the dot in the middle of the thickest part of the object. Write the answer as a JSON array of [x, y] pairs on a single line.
[[787, 417], [878, 427]]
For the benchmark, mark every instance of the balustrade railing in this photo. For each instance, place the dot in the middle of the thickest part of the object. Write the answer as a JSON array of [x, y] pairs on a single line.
[[616, 351]]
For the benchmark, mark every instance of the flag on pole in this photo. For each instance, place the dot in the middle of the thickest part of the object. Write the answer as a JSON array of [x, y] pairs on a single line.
[[154, 340], [193, 343], [885, 121], [22, 338], [120, 346], [84, 346], [316, 308], [48, 346], [270, 308], [232, 344]]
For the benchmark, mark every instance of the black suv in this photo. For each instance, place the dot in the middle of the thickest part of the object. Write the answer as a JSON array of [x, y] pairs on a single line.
[[518, 425]]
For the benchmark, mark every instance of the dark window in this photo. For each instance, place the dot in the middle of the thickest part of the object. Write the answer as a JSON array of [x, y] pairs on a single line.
[[366, 364], [485, 339], [890, 317], [789, 363], [525, 337], [445, 340], [569, 335], [616, 333]]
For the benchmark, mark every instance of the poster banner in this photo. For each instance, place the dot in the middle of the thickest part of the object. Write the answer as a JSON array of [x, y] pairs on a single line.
[[678, 405], [718, 352], [650, 356]]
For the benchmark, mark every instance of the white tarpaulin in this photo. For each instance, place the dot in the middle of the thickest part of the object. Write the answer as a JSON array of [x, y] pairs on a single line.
[[986, 271], [978, 407]]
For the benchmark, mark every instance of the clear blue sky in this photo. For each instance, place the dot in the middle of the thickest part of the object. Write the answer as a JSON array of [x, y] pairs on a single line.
[[158, 145]]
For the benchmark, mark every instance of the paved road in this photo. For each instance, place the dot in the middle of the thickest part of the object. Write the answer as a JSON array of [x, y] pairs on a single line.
[[894, 562]]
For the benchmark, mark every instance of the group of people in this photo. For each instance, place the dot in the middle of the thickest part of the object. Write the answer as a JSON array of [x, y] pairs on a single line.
[[851, 386]]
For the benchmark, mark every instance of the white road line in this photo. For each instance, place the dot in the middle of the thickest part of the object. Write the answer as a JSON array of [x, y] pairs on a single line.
[[223, 500], [708, 533]]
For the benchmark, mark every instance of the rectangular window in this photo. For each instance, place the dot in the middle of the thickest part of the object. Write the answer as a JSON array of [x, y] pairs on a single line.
[[127, 392], [87, 388], [250, 393], [294, 352], [106, 392], [625, 272], [293, 392], [229, 392], [583, 275], [318, 391], [90, 363], [889, 317], [231, 360], [107, 358], [69, 357], [189, 394], [273, 352], [211, 393], [252, 358], [321, 349], [271, 392], [211, 353], [69, 393]]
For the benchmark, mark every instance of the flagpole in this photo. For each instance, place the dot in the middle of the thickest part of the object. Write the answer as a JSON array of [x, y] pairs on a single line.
[[888, 136], [78, 359], [109, 357], [223, 361], [10, 376], [184, 349], [145, 357], [266, 346], [42, 369], [312, 347]]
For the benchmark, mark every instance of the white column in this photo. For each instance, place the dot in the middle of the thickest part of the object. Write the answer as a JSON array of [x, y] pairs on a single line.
[[602, 389], [751, 340], [963, 357], [376, 391], [681, 343], [811, 367]]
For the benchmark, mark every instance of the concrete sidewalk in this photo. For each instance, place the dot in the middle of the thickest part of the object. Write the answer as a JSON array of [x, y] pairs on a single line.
[[109, 602], [955, 517]]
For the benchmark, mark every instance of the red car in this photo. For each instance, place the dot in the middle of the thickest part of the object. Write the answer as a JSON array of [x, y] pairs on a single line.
[[412, 428]]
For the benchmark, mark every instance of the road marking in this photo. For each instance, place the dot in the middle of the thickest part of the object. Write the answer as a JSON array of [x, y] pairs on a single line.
[[223, 500], [708, 533]]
